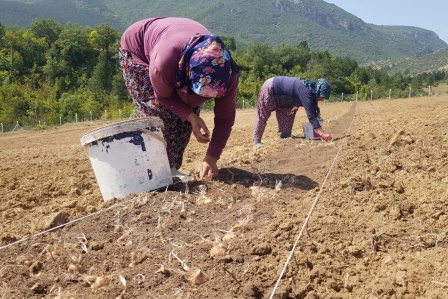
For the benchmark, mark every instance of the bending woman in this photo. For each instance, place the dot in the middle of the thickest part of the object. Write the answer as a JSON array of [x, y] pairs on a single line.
[[284, 95], [171, 66]]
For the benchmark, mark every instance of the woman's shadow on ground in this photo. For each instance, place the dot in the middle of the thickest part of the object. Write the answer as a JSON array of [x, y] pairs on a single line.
[[232, 175]]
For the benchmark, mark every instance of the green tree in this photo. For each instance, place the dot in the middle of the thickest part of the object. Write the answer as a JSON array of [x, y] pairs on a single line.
[[71, 107], [74, 48], [46, 28], [290, 57], [13, 105], [103, 37], [2, 32], [101, 80], [229, 42], [119, 88], [360, 75], [12, 43]]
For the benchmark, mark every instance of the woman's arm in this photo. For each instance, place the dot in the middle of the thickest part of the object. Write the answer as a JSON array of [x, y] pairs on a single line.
[[225, 110]]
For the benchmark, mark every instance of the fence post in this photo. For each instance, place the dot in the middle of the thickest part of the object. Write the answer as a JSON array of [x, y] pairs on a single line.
[[17, 126], [342, 98], [76, 117], [429, 91], [410, 88], [390, 92], [371, 95], [1, 126]]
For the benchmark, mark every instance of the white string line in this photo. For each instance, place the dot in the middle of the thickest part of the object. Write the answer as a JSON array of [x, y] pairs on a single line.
[[82, 218], [93, 214], [311, 211], [77, 220], [73, 221]]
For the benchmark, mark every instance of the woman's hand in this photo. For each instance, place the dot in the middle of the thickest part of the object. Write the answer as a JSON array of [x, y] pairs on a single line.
[[326, 137], [199, 127], [209, 168], [323, 135]]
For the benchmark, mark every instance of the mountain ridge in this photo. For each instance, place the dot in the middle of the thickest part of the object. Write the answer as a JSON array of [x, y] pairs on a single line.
[[324, 26]]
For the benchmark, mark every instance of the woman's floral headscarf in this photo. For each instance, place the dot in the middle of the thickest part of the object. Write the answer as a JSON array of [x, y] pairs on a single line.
[[205, 67]]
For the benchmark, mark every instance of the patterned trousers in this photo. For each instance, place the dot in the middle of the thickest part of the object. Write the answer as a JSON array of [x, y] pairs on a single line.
[[266, 105]]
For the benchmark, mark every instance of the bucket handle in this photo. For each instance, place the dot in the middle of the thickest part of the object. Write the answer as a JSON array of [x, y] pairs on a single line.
[[154, 135]]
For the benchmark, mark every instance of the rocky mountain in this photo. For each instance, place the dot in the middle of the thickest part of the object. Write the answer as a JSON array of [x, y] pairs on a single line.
[[323, 25]]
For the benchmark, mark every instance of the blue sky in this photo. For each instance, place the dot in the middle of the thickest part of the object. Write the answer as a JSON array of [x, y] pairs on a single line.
[[428, 14]]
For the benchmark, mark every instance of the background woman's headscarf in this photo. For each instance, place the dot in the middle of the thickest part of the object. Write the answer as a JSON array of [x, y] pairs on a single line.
[[205, 66], [323, 88], [319, 88]]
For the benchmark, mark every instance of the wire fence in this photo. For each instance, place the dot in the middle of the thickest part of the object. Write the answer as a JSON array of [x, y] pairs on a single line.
[[71, 119], [379, 94], [241, 104]]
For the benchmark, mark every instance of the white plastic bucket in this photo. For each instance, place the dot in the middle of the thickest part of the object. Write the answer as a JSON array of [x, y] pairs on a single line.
[[308, 131], [128, 157]]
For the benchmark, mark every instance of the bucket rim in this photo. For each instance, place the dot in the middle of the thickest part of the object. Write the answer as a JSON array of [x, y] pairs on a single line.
[[144, 124]]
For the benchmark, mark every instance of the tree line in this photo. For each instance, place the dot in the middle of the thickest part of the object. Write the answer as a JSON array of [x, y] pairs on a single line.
[[51, 73]]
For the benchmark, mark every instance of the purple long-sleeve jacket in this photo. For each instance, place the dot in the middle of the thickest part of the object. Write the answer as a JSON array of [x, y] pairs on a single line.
[[157, 43], [293, 92]]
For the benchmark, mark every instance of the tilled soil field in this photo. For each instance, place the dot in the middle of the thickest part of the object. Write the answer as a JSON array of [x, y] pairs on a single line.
[[362, 216]]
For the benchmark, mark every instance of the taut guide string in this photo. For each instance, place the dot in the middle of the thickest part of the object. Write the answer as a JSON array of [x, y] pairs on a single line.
[[311, 209], [132, 199], [73, 221]]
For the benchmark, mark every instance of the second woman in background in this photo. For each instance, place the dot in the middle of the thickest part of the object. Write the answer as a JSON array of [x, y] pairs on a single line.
[[284, 95]]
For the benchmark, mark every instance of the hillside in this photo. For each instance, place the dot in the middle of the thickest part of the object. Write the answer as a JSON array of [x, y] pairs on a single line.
[[23, 12], [323, 25], [437, 61]]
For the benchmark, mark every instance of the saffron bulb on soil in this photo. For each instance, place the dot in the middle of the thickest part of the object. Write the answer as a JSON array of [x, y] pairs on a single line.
[[218, 249], [100, 281], [196, 277], [228, 236], [75, 268]]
